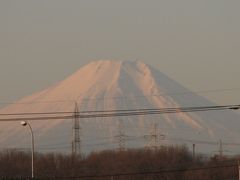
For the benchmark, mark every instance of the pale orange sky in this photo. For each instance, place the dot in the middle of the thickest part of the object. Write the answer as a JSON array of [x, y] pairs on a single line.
[[196, 42]]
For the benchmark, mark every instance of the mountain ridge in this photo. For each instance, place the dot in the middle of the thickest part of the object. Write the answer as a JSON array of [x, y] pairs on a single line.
[[108, 85]]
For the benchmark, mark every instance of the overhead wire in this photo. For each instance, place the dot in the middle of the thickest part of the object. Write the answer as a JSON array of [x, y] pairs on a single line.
[[131, 112], [116, 113], [128, 138], [176, 109]]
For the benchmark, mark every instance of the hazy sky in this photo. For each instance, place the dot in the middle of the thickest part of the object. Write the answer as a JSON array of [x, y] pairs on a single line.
[[196, 42]]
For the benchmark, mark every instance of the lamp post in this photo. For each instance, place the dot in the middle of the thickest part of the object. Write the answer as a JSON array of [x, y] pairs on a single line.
[[24, 123]]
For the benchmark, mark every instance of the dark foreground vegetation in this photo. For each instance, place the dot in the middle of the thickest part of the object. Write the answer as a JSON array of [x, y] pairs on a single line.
[[167, 163]]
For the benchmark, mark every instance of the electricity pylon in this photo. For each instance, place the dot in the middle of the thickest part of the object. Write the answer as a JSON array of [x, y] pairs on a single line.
[[121, 136], [76, 139], [154, 137]]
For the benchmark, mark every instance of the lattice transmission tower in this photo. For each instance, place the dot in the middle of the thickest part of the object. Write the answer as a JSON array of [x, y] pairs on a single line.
[[76, 137], [121, 136], [154, 137]]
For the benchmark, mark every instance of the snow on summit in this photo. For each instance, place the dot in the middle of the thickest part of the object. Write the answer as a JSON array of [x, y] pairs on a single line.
[[110, 85]]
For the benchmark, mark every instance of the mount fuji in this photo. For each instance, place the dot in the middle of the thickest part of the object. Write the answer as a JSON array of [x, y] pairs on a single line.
[[115, 85]]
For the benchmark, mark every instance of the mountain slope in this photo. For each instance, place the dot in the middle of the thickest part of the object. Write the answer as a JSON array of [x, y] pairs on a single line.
[[110, 85]]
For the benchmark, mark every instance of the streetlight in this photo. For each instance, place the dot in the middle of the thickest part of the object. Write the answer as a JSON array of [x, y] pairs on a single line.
[[24, 123]]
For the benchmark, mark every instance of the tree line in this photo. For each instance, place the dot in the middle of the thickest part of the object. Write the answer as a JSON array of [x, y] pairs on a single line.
[[166, 162]]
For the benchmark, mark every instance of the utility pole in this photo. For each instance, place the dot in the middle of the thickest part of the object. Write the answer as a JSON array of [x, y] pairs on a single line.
[[194, 146], [155, 136], [238, 170], [76, 140], [220, 149]]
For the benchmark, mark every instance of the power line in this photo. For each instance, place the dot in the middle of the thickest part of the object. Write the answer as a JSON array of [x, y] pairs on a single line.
[[35, 113], [127, 138], [133, 138], [193, 141], [234, 107], [119, 113]]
